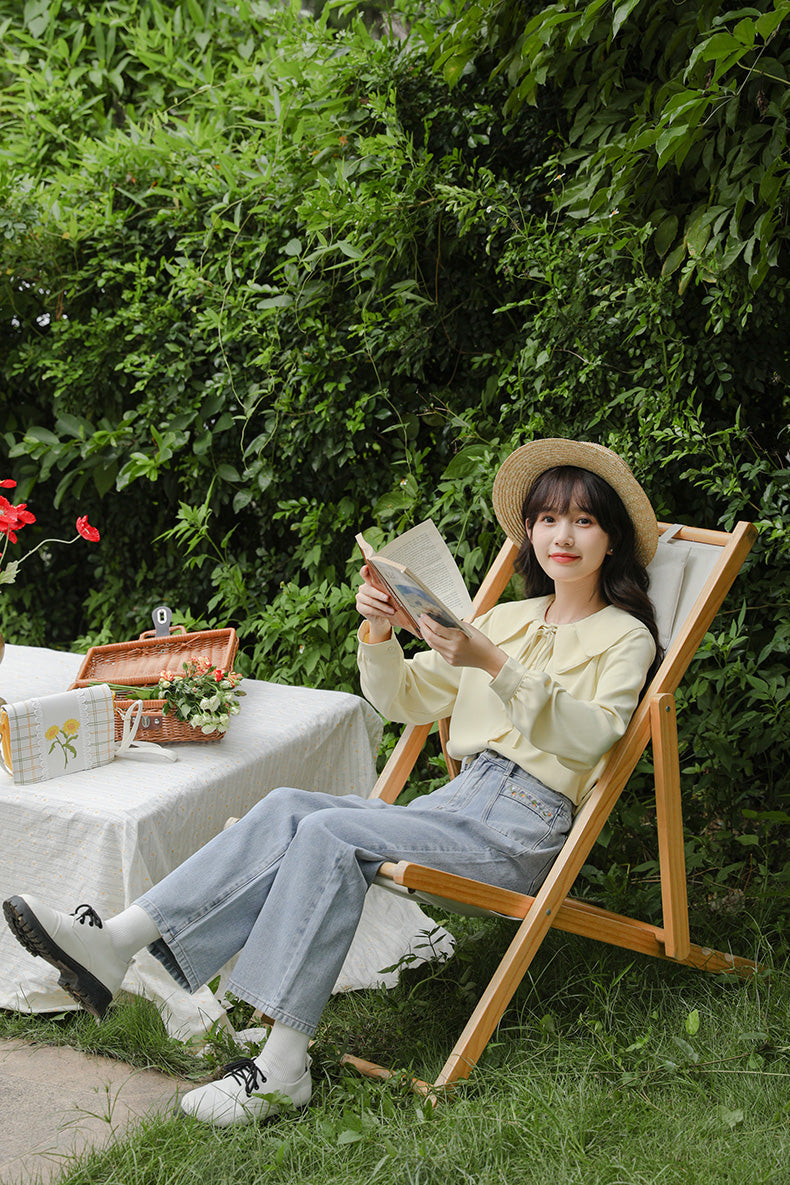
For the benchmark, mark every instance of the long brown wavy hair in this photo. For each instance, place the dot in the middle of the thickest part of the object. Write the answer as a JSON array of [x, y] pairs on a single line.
[[623, 581]]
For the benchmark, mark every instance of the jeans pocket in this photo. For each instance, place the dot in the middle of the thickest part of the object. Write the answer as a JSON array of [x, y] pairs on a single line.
[[456, 794], [529, 814]]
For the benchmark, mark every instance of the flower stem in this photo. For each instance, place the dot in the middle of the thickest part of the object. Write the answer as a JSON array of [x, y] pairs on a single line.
[[33, 550]]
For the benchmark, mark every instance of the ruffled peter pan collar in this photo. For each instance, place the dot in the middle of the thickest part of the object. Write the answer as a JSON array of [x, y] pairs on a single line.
[[574, 642]]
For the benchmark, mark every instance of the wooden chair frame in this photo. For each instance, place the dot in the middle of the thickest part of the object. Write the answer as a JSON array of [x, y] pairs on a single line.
[[654, 720]]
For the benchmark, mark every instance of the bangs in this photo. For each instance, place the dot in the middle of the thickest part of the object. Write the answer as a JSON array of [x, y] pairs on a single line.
[[556, 489]]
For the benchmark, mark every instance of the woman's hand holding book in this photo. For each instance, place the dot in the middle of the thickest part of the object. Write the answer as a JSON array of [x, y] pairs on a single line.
[[375, 605], [460, 648]]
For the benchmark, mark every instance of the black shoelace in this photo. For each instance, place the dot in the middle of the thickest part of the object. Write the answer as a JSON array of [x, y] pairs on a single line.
[[247, 1073], [88, 915]]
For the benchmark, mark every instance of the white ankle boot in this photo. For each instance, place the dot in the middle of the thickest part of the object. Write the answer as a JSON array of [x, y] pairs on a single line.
[[246, 1093], [76, 944]]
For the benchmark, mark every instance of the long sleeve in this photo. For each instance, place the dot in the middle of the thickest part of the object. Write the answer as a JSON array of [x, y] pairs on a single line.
[[578, 731], [411, 691]]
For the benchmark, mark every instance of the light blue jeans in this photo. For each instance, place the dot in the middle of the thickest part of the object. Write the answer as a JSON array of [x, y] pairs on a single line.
[[284, 887]]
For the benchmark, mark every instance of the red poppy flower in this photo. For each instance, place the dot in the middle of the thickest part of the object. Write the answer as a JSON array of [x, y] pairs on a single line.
[[13, 518], [23, 515], [86, 530]]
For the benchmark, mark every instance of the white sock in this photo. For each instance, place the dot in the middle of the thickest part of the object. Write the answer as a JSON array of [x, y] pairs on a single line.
[[284, 1055], [131, 930]]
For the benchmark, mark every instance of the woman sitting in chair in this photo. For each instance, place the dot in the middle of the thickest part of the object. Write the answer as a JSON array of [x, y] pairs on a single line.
[[539, 691]]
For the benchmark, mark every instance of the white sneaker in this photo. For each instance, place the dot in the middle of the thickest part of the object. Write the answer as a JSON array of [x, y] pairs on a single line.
[[246, 1093], [76, 944]]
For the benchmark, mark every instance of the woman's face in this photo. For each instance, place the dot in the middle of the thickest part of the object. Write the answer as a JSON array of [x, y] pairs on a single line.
[[570, 546]]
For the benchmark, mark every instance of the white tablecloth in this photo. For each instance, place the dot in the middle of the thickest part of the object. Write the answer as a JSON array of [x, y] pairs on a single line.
[[104, 835]]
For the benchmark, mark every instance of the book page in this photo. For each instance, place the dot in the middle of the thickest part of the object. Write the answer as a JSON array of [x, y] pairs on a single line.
[[426, 554]]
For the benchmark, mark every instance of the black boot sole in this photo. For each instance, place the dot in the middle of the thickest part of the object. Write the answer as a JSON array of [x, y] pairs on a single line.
[[89, 992]]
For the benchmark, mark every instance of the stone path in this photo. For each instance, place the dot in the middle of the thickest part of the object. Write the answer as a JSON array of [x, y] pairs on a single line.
[[56, 1102]]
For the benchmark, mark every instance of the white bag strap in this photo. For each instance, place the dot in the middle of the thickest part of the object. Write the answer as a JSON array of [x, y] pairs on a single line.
[[136, 750]]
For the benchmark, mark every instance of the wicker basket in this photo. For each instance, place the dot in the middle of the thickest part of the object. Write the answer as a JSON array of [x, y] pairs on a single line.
[[141, 662]]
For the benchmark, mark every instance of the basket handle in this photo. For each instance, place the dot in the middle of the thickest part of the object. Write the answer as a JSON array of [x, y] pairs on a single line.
[[174, 629]]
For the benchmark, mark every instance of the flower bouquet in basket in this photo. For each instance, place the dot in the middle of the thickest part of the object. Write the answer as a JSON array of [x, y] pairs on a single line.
[[204, 696]]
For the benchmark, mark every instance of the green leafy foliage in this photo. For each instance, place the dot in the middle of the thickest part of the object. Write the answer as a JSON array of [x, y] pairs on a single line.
[[675, 115]]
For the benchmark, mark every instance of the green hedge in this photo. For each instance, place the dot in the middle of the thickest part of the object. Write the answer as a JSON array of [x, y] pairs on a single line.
[[265, 283]]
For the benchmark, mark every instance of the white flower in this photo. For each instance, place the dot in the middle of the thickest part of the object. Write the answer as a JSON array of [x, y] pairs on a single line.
[[210, 703]]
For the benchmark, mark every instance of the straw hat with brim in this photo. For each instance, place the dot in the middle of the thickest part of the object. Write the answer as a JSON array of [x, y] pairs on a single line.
[[519, 472]]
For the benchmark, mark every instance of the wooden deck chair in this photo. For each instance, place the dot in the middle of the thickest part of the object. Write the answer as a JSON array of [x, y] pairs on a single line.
[[690, 576]]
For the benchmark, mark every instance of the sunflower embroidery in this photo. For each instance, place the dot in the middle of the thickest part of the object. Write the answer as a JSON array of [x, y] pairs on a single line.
[[69, 730]]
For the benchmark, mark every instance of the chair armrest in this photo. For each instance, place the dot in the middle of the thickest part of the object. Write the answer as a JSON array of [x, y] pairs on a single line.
[[460, 889], [400, 762]]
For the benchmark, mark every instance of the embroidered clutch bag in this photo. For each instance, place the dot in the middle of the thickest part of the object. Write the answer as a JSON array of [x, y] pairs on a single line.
[[58, 734]]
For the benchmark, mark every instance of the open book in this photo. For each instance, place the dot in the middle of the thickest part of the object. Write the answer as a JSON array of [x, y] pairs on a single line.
[[418, 571]]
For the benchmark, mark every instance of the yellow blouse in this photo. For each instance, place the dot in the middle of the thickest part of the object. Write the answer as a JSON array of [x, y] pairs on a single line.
[[562, 699]]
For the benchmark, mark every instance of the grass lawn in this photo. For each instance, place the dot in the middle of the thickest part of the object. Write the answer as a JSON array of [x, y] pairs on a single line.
[[608, 1069]]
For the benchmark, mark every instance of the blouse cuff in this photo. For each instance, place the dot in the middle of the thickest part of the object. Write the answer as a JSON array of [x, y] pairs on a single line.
[[512, 678], [506, 683], [363, 633]]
